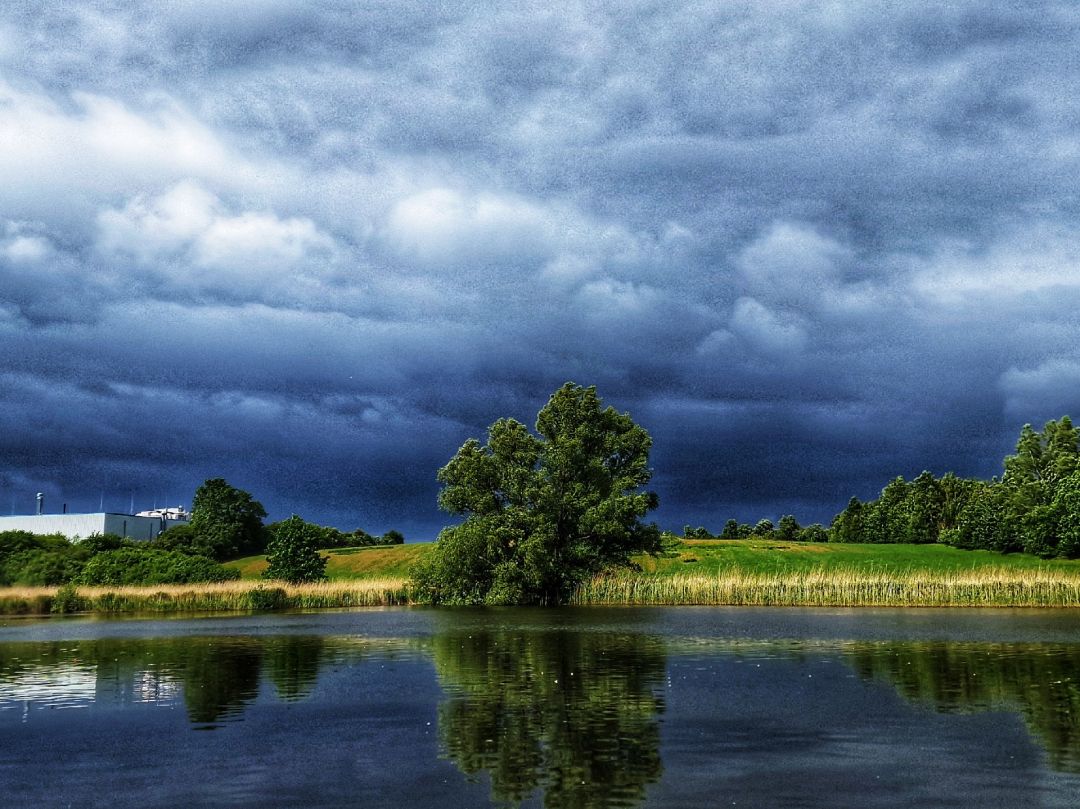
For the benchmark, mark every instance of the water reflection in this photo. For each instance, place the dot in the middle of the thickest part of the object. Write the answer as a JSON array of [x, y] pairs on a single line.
[[572, 714], [1041, 682], [215, 678], [555, 707]]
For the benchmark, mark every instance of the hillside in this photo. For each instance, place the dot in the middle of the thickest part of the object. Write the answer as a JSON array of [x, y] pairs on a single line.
[[710, 556]]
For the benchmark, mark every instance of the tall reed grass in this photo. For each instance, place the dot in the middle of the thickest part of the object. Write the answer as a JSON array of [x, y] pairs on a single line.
[[833, 587], [234, 595], [824, 587]]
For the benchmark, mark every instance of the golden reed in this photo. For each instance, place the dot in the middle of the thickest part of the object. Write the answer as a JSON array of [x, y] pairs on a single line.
[[988, 587], [233, 595]]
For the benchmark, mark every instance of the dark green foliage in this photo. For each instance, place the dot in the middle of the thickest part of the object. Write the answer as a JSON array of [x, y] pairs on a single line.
[[1034, 508], [925, 506], [393, 537], [788, 529], [690, 532], [146, 565], [554, 719], [731, 530], [542, 512], [184, 539], [293, 552], [813, 533], [847, 526], [96, 543], [763, 528], [27, 559], [1066, 513], [31, 559], [980, 522], [67, 600], [267, 598], [329, 537], [226, 521]]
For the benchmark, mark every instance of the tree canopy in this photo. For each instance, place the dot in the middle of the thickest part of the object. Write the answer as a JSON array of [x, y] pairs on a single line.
[[292, 554], [225, 521], [545, 511], [1032, 508]]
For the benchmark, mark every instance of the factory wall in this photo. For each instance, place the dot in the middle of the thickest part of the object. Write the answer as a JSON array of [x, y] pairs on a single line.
[[80, 526]]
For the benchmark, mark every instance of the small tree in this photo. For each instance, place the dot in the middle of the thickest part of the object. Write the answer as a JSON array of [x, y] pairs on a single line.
[[788, 529], [293, 554], [763, 528], [393, 537], [814, 533], [731, 530]]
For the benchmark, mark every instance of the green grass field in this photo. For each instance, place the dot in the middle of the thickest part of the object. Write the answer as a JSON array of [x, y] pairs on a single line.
[[705, 557], [380, 562]]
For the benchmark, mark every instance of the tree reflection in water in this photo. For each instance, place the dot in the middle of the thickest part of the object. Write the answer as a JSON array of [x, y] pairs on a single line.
[[574, 714], [1041, 681], [218, 677]]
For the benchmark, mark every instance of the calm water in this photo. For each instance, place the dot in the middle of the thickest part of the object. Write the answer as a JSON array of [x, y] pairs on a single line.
[[560, 708]]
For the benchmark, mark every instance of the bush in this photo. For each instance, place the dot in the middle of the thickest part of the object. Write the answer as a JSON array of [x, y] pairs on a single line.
[[292, 554], [68, 600], [267, 598], [143, 565], [814, 533]]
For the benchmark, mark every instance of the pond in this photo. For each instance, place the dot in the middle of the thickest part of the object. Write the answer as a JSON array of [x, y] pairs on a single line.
[[590, 707]]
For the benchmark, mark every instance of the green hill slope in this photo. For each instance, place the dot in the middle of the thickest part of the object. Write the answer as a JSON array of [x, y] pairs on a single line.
[[709, 556]]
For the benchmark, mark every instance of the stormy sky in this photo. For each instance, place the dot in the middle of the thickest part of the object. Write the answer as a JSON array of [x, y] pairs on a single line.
[[810, 246]]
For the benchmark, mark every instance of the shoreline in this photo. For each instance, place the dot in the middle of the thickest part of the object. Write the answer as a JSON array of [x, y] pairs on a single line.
[[998, 587]]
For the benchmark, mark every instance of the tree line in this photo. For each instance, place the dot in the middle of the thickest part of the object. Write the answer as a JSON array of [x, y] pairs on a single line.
[[1034, 507], [787, 530], [226, 523]]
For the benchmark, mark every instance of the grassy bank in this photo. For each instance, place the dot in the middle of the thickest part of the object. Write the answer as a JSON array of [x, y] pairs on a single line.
[[764, 556], [838, 587], [709, 557], [725, 572], [227, 596]]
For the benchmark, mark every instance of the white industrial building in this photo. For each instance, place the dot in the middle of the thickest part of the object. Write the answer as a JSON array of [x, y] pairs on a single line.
[[144, 526]]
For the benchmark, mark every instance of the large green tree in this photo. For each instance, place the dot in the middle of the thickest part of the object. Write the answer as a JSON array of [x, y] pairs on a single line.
[[226, 521], [543, 512]]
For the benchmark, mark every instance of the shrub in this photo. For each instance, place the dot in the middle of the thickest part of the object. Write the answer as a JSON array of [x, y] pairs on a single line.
[[144, 565], [292, 554], [267, 598], [67, 599]]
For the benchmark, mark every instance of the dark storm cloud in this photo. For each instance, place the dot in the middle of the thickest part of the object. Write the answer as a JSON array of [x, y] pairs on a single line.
[[809, 247]]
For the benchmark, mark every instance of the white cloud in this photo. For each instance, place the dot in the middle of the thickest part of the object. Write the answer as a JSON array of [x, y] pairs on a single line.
[[25, 249], [1050, 389], [765, 331], [608, 298], [441, 226], [1043, 257], [188, 235], [97, 146], [791, 263]]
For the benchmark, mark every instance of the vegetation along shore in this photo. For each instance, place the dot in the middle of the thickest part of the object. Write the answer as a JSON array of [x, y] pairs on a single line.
[[694, 572], [557, 516]]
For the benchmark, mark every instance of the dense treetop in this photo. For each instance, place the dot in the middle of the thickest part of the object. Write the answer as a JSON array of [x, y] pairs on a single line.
[[543, 511]]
